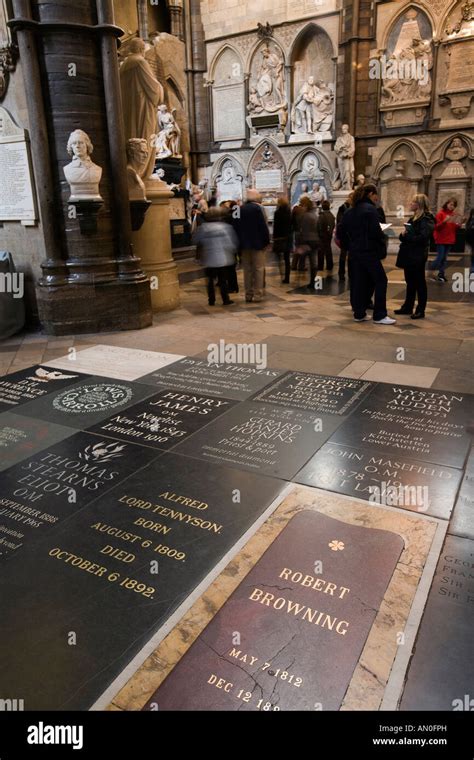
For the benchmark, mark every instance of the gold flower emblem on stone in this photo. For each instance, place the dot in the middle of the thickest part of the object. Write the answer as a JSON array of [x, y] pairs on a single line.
[[336, 546]]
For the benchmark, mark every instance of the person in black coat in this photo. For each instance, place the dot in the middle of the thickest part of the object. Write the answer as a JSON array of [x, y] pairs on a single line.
[[413, 255], [362, 236], [283, 235]]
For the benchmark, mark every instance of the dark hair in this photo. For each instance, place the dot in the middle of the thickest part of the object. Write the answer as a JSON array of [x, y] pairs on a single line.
[[362, 193], [450, 200], [325, 205]]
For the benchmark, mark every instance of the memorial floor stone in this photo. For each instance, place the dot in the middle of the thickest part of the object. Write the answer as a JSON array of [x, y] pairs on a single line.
[[371, 676], [20, 437], [236, 381], [262, 438], [114, 573], [441, 673], [316, 393], [52, 485], [300, 633], [86, 403], [115, 361], [164, 419], [383, 479], [427, 425], [462, 522], [33, 383]]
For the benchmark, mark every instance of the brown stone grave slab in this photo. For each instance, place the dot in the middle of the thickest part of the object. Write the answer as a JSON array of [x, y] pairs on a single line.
[[291, 635]]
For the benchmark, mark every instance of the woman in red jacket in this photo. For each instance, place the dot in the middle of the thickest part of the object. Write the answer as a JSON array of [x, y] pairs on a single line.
[[446, 224]]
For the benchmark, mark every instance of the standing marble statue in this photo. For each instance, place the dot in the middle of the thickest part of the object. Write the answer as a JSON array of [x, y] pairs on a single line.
[[141, 95], [137, 159], [82, 175], [345, 150]]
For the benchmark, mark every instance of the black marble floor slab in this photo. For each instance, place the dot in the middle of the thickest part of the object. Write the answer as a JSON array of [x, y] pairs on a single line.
[[20, 437], [462, 522], [441, 673], [87, 402], [385, 479], [262, 438], [191, 375], [40, 492], [84, 599], [316, 393], [289, 638], [164, 419], [427, 425], [35, 382]]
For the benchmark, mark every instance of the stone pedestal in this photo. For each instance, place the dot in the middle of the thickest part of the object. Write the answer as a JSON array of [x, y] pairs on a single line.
[[152, 243], [337, 199]]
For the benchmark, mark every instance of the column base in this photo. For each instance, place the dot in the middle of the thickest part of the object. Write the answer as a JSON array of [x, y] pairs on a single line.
[[103, 307]]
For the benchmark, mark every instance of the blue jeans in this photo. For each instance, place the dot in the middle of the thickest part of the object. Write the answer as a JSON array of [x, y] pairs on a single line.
[[441, 258]]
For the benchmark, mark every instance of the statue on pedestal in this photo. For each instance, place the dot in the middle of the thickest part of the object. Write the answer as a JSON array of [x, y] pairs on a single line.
[[82, 174], [141, 95], [137, 159], [345, 150], [168, 139], [312, 110]]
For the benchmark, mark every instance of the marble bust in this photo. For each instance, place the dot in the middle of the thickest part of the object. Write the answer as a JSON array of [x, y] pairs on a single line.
[[82, 175], [137, 158]]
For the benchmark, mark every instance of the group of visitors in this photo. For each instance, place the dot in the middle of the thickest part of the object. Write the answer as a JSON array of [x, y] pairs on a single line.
[[234, 231]]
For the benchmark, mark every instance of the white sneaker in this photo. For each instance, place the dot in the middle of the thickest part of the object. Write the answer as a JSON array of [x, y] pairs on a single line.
[[364, 319], [385, 321]]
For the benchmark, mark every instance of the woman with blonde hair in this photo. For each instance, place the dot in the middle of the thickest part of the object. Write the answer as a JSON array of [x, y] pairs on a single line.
[[413, 254]]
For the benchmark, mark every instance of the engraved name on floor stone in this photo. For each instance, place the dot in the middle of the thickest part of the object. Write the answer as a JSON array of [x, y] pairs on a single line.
[[51, 485], [20, 437], [263, 438], [426, 425], [30, 384], [164, 419], [291, 634], [110, 576], [318, 393], [441, 674], [236, 381], [86, 402], [386, 479]]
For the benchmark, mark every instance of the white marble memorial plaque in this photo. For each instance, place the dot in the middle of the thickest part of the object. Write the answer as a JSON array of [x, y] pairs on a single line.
[[229, 112], [268, 179], [17, 203], [115, 361]]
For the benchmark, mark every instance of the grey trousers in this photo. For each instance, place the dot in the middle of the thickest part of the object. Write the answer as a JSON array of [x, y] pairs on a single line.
[[253, 263]]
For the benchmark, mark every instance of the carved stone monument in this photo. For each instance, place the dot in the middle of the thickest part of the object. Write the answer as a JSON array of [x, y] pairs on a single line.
[[229, 182], [454, 181], [168, 137], [268, 103], [456, 67], [407, 82], [137, 157], [345, 150], [141, 95], [313, 107]]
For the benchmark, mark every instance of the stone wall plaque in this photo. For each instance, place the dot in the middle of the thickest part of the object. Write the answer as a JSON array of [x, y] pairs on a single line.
[[441, 672], [20, 437], [316, 393], [114, 573], [262, 438], [87, 402], [229, 112], [383, 479], [54, 483], [17, 200], [234, 381], [269, 179], [301, 633], [33, 383], [427, 425], [165, 419]]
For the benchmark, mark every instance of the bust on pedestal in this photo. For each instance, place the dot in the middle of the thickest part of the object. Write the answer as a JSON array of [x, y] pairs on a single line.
[[83, 177], [137, 157]]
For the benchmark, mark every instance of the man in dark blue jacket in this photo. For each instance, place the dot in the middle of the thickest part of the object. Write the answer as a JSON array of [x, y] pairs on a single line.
[[254, 237], [361, 234]]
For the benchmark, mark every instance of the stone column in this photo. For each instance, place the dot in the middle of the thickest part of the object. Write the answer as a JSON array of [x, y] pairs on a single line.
[[142, 11], [100, 286], [153, 241], [176, 13]]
